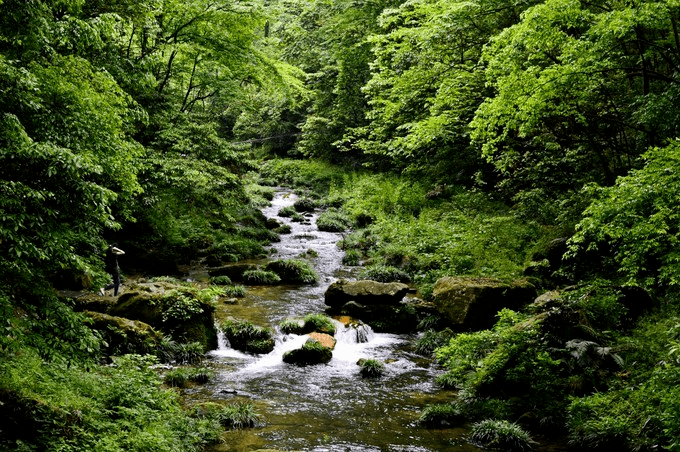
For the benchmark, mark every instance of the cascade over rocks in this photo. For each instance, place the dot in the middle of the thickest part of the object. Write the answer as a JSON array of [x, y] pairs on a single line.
[[471, 304]]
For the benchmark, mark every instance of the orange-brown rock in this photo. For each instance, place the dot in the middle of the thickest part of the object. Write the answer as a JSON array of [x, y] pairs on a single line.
[[325, 339]]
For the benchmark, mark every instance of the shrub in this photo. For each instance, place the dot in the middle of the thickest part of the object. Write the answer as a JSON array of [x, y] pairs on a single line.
[[260, 277], [501, 435], [292, 326], [293, 271], [384, 273], [245, 336], [371, 368], [333, 221]]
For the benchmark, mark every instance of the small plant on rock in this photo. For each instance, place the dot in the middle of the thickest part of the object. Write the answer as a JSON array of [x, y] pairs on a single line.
[[333, 221], [385, 273], [245, 336], [352, 258], [371, 368], [220, 280], [442, 414]]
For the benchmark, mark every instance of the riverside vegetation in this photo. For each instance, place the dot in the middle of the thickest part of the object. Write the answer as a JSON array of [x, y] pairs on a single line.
[[535, 139]]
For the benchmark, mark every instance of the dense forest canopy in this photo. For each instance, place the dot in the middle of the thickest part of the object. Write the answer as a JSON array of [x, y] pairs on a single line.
[[144, 121]]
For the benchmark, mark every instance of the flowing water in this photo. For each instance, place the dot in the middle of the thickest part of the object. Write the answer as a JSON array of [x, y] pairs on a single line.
[[327, 407]]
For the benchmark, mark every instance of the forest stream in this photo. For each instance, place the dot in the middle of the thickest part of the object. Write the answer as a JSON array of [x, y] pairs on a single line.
[[325, 407]]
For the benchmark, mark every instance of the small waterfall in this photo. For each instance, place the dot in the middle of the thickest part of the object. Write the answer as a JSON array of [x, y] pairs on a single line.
[[355, 332]]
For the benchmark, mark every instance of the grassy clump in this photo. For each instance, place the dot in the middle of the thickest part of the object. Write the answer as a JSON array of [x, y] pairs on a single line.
[[371, 368], [245, 336], [220, 280], [287, 211], [333, 220], [170, 351], [180, 377], [501, 435], [431, 340], [310, 323], [352, 258], [442, 414], [236, 415], [384, 273], [260, 277], [304, 205], [293, 271], [236, 290]]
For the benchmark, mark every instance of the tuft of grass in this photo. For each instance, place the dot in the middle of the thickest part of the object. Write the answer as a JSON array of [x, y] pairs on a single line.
[[236, 415], [181, 376], [293, 271], [245, 336], [287, 211], [333, 220], [304, 205], [371, 368], [385, 273], [311, 322], [352, 258], [261, 277], [503, 435], [235, 291], [431, 340], [220, 280], [442, 414]]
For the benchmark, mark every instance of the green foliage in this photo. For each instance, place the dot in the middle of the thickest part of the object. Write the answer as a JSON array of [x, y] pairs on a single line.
[[113, 408], [293, 271], [371, 368], [287, 211], [304, 175], [501, 435], [236, 415], [333, 220], [261, 277], [384, 273], [235, 291], [431, 340], [170, 351], [245, 336], [180, 376], [220, 280], [179, 306], [630, 229], [352, 257], [310, 323], [441, 414]]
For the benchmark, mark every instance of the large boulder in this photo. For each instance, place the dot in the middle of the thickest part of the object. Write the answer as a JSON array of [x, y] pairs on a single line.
[[471, 304], [124, 335], [365, 292]]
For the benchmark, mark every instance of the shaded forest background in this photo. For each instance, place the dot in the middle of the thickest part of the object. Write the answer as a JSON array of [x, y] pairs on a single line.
[[144, 122]]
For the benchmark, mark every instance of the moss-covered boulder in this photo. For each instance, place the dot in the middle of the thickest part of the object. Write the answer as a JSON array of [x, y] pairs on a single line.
[[124, 335], [364, 292], [471, 304], [174, 309], [324, 339], [312, 352]]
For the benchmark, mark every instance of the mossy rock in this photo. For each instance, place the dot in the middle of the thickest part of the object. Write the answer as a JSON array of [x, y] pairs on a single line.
[[472, 303], [312, 352], [124, 335], [310, 323], [365, 292]]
